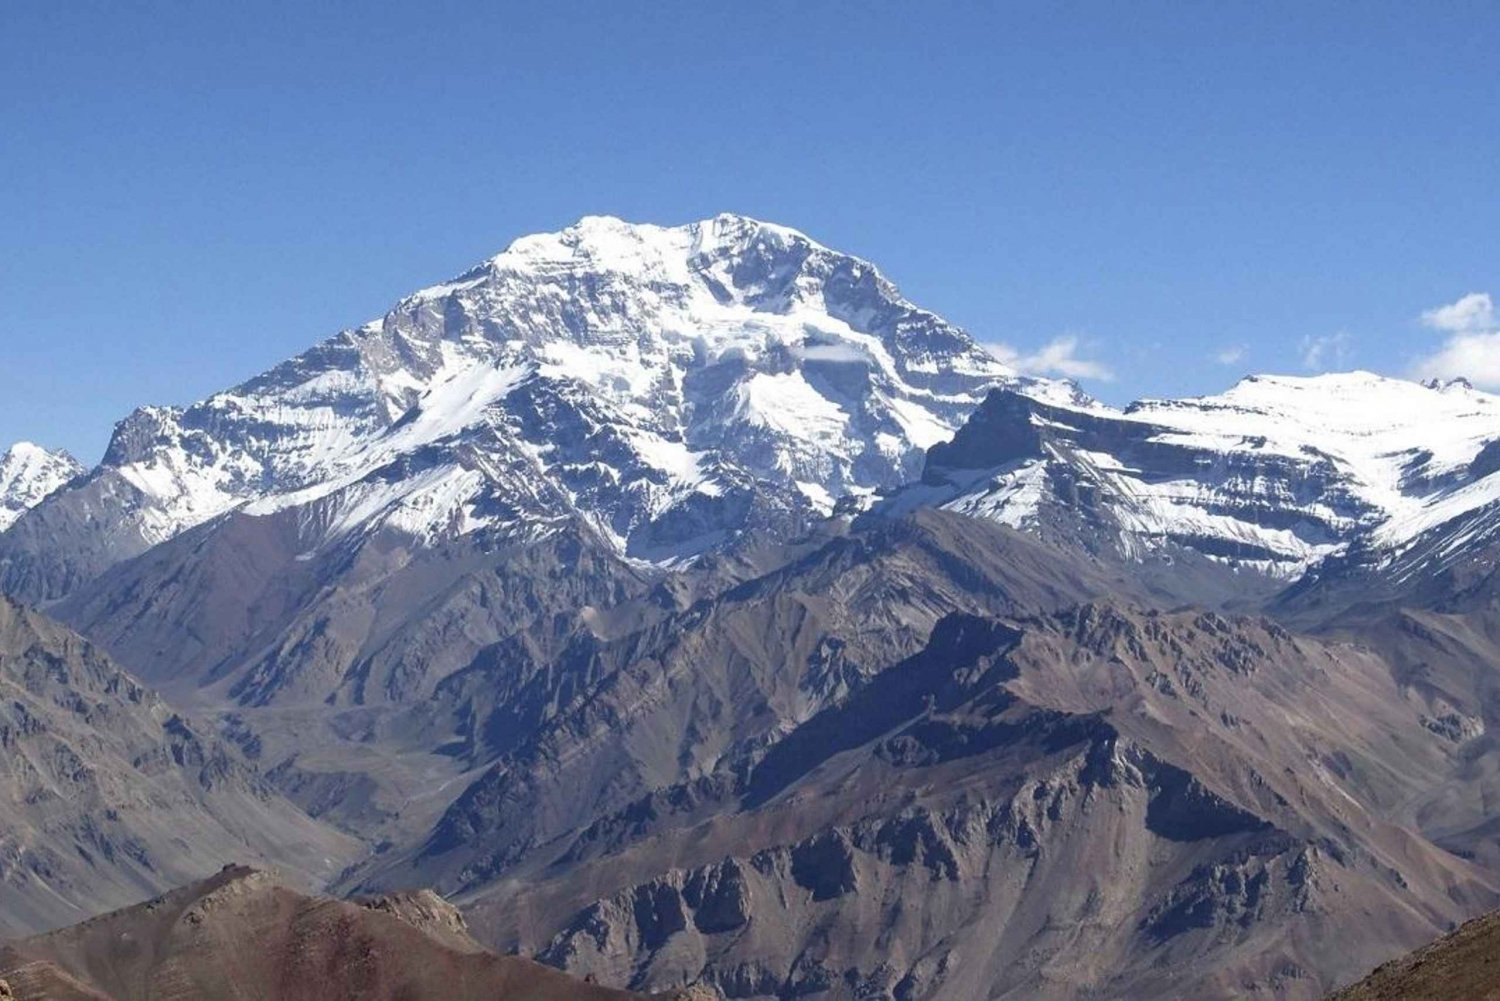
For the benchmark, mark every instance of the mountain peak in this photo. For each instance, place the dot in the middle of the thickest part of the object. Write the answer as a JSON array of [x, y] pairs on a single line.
[[608, 243], [1356, 402], [725, 228], [28, 473], [30, 451], [674, 255]]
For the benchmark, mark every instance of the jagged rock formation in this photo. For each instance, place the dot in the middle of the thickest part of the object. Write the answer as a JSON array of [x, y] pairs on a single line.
[[111, 794], [664, 721], [429, 913], [242, 934]]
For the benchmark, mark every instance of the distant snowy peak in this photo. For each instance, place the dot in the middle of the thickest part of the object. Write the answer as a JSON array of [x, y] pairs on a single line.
[[28, 473], [1276, 473], [672, 386]]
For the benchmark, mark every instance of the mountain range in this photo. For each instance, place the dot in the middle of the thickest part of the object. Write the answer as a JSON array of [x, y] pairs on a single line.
[[688, 606]]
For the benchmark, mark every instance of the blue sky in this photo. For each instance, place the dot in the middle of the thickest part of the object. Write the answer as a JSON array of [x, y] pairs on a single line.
[[1173, 195]]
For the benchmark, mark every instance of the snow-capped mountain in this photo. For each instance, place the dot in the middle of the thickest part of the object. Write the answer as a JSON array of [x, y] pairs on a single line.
[[1276, 474], [28, 473], [671, 386]]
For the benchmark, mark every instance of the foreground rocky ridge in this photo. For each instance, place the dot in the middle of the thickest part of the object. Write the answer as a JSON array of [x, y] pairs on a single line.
[[1097, 803], [242, 934], [1461, 964]]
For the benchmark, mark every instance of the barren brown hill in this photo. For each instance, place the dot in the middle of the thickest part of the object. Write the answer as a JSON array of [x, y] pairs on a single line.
[[241, 935], [1462, 964]]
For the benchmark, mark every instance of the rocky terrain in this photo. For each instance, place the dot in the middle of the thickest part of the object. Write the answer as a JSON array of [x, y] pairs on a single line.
[[1123, 793], [689, 607], [241, 934]]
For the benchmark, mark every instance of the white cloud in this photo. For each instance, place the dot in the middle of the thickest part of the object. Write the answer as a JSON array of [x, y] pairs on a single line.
[[1058, 356], [1327, 351], [1474, 313], [1475, 357], [1232, 355], [1472, 349], [837, 352]]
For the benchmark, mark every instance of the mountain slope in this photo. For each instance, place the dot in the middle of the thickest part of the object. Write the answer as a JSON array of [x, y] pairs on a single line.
[[29, 473], [328, 670], [111, 795], [668, 713], [241, 934], [666, 805], [670, 386]]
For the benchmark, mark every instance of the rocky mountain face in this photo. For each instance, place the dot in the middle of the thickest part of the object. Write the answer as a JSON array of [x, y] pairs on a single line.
[[1094, 802], [1276, 475], [241, 933], [28, 473], [671, 387], [312, 663], [112, 795]]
